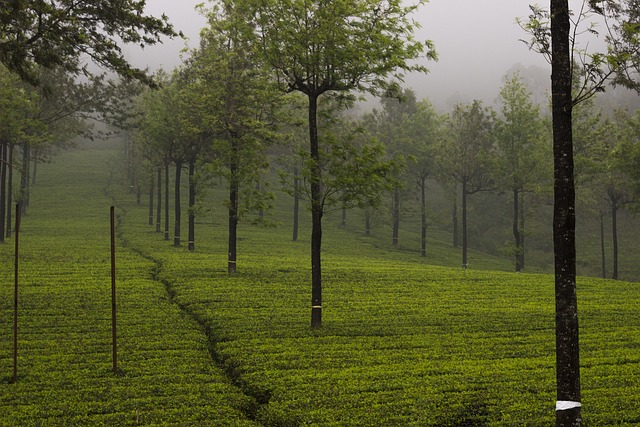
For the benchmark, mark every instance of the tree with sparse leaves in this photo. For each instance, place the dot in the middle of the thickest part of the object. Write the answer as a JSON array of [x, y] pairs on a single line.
[[322, 47]]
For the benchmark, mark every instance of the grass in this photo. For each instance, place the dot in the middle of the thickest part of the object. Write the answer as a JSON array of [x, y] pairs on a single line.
[[404, 343]]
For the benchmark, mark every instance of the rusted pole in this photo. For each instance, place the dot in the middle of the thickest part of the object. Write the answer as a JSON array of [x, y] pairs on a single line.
[[15, 297], [113, 290]]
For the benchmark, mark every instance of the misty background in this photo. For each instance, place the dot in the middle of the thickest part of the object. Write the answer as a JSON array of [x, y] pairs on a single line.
[[477, 44]]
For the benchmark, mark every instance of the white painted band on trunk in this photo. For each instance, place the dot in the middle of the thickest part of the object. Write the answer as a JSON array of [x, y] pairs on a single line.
[[563, 405], [316, 306]]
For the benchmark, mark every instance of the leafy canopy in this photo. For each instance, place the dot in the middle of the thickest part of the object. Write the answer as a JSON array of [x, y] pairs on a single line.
[[61, 32]]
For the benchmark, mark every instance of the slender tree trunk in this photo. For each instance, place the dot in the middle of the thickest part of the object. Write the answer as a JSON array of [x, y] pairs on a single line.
[[464, 224], [152, 189], [159, 207], [24, 179], [614, 236], [522, 233], [3, 188], [396, 215], [260, 209], [454, 219], [233, 218], [166, 200], [344, 216], [176, 227], [34, 174], [296, 203], [316, 216], [568, 407], [192, 206], [516, 230], [367, 222], [9, 190], [602, 249], [423, 216]]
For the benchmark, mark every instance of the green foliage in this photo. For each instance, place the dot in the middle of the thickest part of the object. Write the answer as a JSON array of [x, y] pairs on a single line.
[[404, 343], [467, 153], [322, 46], [58, 34]]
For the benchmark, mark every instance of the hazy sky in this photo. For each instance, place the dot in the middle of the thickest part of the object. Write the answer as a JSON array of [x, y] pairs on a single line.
[[477, 42]]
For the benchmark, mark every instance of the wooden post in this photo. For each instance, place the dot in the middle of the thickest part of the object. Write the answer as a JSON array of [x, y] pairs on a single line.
[[15, 297], [113, 290]]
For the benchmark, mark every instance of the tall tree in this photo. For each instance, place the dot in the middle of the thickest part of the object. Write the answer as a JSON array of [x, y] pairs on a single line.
[[520, 152], [240, 100], [556, 34], [321, 46], [422, 132], [467, 155]]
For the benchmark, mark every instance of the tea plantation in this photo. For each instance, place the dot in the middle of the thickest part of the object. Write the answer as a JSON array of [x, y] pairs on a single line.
[[404, 343]]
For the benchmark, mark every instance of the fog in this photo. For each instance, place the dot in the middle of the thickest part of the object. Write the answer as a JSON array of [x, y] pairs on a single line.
[[477, 42]]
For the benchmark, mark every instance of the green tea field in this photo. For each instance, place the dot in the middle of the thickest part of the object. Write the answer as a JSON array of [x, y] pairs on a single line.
[[404, 342]]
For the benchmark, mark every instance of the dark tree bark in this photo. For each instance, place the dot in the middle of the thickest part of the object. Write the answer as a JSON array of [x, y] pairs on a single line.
[[522, 234], [233, 221], [34, 173], [602, 248], [423, 216], [9, 190], [24, 179], [367, 222], [568, 408], [176, 227], [3, 188], [464, 224], [454, 220], [159, 207], [316, 215], [344, 216], [614, 235], [152, 189], [396, 215], [166, 200], [296, 203], [191, 245], [519, 255]]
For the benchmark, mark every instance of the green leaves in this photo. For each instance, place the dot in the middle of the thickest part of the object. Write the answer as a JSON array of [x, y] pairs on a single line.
[[322, 46], [59, 33]]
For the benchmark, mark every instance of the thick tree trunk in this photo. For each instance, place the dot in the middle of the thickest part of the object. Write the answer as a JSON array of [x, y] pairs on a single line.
[[152, 189], [3, 188], [9, 190], [602, 248], [178, 213], [516, 230], [316, 216], [396, 215], [423, 216], [568, 407], [159, 207], [296, 203], [191, 245], [166, 200], [464, 224], [614, 237]]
